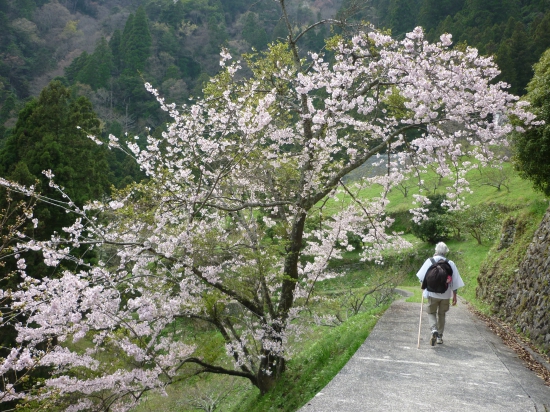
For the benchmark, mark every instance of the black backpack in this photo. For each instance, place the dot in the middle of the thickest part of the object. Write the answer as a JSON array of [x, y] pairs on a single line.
[[435, 279]]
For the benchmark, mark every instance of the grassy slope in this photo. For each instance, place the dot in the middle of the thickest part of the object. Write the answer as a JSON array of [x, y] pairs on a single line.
[[323, 352], [326, 352]]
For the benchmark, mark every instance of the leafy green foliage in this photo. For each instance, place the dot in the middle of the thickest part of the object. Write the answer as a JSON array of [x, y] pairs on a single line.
[[532, 148], [515, 57], [136, 41], [499, 268], [98, 67], [72, 71], [482, 222], [115, 44], [23, 55], [402, 15], [46, 137], [50, 134], [432, 12], [436, 228], [193, 31]]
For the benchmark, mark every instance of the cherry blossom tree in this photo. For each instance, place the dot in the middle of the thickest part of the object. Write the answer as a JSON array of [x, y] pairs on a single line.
[[14, 214], [219, 232]]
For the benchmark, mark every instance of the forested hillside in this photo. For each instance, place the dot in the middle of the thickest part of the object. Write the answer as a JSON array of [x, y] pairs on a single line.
[[106, 50], [516, 32], [210, 270], [100, 54]]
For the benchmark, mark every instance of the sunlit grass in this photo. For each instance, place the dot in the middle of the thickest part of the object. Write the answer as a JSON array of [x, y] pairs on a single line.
[[516, 192]]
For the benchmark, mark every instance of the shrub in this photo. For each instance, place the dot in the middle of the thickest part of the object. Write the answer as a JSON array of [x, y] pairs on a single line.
[[436, 228]]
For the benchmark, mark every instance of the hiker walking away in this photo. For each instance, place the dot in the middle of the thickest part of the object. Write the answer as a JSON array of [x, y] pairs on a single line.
[[439, 288]]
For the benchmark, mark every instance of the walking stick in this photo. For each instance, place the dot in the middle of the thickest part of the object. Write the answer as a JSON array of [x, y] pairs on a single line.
[[420, 323]]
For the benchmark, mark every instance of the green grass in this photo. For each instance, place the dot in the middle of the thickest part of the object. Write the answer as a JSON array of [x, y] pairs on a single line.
[[518, 194], [326, 352], [500, 266], [322, 352], [415, 290], [520, 191]]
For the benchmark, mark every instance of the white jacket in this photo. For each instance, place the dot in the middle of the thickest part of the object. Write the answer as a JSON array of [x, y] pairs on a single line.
[[456, 281]]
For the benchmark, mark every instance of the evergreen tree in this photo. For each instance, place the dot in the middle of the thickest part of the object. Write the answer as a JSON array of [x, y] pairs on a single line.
[[254, 33], [188, 66], [488, 12], [314, 40], [432, 12], [173, 14], [521, 48], [532, 148], [46, 137], [115, 44], [51, 134], [280, 32], [7, 107], [505, 62], [515, 58], [217, 32], [136, 42], [168, 42], [73, 70], [99, 66], [402, 16], [541, 35], [125, 40], [136, 101]]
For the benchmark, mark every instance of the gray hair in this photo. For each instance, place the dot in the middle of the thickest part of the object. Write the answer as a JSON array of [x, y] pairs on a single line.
[[441, 249]]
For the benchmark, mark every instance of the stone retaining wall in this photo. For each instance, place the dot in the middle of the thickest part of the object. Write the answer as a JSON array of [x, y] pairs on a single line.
[[521, 297]]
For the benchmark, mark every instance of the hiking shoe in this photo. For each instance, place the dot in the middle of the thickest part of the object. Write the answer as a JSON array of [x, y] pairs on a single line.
[[434, 337], [440, 340]]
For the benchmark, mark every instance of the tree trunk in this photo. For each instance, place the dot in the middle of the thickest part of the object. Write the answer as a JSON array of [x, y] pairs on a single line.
[[290, 270], [270, 371]]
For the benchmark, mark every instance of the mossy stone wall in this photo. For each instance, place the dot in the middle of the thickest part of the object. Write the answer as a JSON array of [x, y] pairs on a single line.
[[515, 278]]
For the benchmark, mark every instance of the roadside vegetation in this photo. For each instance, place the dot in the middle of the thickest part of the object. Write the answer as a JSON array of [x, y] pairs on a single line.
[[324, 349]]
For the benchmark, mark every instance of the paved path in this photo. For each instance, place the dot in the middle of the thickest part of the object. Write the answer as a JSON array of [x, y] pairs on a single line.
[[473, 371]]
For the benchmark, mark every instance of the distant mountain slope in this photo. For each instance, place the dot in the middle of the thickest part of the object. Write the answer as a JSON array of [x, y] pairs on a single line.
[[43, 39], [516, 32]]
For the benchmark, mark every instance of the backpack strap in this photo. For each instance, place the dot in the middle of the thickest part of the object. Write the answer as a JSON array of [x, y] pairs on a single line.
[[447, 260], [433, 260]]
